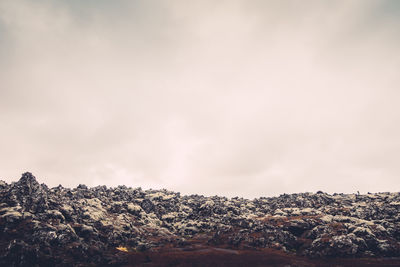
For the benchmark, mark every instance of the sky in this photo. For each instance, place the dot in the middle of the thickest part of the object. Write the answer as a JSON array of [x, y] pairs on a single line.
[[243, 98]]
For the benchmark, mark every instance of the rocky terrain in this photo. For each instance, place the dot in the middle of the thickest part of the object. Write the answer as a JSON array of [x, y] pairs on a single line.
[[121, 226]]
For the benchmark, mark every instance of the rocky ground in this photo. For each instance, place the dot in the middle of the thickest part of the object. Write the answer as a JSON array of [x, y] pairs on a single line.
[[121, 226]]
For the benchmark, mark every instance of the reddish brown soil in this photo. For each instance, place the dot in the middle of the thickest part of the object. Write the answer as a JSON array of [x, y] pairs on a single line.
[[217, 257]]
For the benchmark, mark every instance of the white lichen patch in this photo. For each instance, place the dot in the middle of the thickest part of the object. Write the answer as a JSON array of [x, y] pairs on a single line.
[[94, 202], [170, 216], [11, 213], [152, 221], [326, 218], [363, 231], [208, 203], [161, 195], [347, 219], [93, 209], [280, 212], [134, 208]]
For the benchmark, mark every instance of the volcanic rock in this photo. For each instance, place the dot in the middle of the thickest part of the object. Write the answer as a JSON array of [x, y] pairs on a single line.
[[41, 226]]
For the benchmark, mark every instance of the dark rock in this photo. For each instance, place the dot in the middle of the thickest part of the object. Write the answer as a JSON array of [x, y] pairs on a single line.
[[298, 227], [82, 186], [90, 226], [147, 205], [28, 184]]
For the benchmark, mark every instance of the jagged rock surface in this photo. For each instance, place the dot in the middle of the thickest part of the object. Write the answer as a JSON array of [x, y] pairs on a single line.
[[60, 226]]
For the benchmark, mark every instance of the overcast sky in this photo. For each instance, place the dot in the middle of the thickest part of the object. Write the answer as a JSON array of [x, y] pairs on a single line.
[[239, 97]]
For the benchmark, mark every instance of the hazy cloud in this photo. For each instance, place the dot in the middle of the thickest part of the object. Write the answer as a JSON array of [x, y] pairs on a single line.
[[245, 98]]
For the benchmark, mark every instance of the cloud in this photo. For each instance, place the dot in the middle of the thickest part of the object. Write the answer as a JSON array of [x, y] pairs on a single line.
[[229, 97]]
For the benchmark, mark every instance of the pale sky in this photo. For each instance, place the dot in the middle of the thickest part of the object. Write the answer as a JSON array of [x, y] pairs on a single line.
[[238, 98]]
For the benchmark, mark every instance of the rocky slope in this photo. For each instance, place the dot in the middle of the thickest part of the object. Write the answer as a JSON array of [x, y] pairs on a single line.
[[107, 226]]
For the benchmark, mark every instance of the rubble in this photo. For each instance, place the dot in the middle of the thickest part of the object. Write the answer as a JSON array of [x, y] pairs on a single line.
[[41, 226]]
